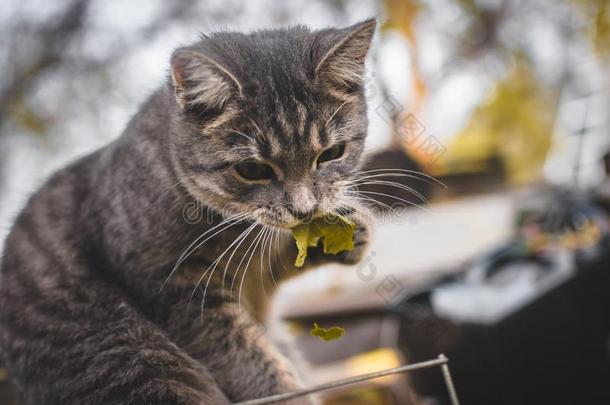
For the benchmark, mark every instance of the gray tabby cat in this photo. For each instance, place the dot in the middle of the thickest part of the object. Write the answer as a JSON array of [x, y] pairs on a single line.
[[262, 130]]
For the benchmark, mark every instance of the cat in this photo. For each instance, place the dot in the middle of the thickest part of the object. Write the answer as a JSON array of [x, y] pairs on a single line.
[[112, 292]]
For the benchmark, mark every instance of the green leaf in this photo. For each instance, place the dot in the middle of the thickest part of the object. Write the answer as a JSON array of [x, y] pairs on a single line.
[[305, 236], [336, 332], [335, 232]]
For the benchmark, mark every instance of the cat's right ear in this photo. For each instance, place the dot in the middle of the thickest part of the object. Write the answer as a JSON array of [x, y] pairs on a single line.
[[198, 80]]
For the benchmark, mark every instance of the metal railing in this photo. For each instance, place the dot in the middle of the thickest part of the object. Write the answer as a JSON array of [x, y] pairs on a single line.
[[441, 362]]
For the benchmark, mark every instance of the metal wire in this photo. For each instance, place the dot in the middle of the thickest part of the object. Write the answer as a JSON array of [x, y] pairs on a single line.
[[441, 361], [449, 381]]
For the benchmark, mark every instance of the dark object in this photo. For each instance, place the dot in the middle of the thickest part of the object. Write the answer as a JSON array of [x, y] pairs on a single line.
[[492, 178], [550, 348], [552, 351]]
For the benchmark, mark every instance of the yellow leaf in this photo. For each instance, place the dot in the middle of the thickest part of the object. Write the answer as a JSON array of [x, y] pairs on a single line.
[[335, 232], [305, 236], [336, 332]]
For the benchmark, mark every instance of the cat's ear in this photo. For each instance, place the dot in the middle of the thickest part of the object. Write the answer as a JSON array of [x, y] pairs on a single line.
[[199, 80], [345, 50]]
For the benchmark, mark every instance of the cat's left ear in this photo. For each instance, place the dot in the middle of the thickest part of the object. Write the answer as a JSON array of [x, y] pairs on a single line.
[[199, 80], [345, 50]]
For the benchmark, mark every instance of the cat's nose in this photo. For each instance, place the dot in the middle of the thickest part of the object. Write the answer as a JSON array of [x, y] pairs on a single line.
[[302, 203]]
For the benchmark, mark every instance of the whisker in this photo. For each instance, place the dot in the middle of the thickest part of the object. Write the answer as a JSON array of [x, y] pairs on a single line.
[[371, 201], [176, 184], [411, 173], [188, 251], [224, 273], [243, 277], [389, 174], [229, 222], [242, 260], [361, 192], [211, 269], [386, 175], [393, 184], [266, 234], [279, 254], [188, 306], [342, 210], [272, 241], [358, 209]]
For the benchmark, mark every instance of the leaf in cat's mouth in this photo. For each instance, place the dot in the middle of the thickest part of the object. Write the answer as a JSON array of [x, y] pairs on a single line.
[[335, 232]]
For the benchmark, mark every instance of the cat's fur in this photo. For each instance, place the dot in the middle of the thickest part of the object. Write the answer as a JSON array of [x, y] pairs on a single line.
[[91, 311]]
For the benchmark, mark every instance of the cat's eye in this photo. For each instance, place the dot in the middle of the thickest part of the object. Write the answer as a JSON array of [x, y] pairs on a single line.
[[252, 170], [332, 153]]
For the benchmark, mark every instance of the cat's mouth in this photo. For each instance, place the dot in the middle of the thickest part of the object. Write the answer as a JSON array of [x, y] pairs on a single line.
[[283, 219], [286, 223], [283, 225]]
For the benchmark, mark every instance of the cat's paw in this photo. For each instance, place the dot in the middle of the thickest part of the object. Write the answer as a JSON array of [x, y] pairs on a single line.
[[362, 236]]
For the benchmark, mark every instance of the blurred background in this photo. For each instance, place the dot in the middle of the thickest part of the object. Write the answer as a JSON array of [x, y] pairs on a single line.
[[488, 156]]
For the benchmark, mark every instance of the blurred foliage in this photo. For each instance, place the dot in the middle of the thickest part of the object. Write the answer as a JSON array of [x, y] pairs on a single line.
[[47, 44], [515, 122], [514, 125], [597, 15], [32, 51], [481, 31], [402, 17]]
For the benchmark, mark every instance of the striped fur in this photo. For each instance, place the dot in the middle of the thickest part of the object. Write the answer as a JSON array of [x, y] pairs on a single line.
[[94, 309]]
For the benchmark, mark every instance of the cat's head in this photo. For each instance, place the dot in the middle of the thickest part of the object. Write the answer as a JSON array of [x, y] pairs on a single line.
[[271, 123]]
